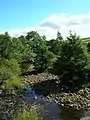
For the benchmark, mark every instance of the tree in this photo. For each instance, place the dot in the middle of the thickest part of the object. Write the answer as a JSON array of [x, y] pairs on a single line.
[[5, 41], [16, 49], [54, 46], [72, 61], [59, 37], [39, 47], [9, 75], [21, 50]]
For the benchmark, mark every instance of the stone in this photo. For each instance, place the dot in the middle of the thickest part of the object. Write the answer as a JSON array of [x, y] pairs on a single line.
[[1, 91], [62, 104], [71, 105]]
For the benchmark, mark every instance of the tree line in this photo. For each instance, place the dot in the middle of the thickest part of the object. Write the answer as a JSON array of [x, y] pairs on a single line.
[[68, 58]]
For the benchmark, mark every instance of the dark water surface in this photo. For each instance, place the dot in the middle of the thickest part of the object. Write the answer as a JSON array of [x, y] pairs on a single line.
[[51, 110]]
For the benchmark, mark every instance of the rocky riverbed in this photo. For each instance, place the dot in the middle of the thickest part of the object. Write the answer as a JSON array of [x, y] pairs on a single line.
[[48, 85], [79, 100], [10, 105], [13, 104], [42, 77]]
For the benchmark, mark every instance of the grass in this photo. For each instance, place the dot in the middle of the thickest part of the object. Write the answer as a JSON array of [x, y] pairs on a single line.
[[14, 82], [27, 115]]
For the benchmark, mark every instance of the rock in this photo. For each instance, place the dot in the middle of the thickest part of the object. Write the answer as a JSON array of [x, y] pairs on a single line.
[[79, 100], [71, 105], [56, 101], [71, 94], [68, 101], [1, 91], [62, 104], [86, 91]]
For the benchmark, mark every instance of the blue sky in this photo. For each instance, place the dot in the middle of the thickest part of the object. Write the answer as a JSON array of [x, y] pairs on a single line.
[[22, 14]]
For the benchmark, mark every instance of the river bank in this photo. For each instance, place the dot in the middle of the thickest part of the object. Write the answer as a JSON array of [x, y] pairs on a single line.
[[48, 85], [45, 91], [11, 105], [79, 100]]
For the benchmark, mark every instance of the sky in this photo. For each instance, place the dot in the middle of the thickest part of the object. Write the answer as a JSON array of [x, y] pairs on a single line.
[[45, 16]]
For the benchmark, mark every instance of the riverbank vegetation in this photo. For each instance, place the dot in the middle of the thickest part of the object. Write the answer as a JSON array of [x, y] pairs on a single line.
[[67, 58], [28, 114]]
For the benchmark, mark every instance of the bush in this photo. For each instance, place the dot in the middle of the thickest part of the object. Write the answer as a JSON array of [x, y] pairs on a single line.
[[26, 115], [70, 65], [15, 83], [9, 75]]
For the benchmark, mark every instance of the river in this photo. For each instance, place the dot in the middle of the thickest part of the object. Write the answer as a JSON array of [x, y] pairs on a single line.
[[51, 110]]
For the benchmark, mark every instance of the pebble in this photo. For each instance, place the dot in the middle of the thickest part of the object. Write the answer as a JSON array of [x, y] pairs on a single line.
[[73, 100]]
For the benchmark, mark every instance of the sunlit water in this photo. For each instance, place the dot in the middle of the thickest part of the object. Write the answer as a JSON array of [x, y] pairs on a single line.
[[51, 110]]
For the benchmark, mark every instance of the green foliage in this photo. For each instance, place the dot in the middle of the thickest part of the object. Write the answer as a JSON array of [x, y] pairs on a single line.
[[72, 61], [54, 46], [31, 49], [70, 57], [9, 74], [5, 41], [27, 115], [43, 57], [21, 50], [15, 83], [16, 49], [12, 67]]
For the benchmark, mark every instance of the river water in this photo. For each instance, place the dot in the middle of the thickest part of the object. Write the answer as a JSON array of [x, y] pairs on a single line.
[[51, 110]]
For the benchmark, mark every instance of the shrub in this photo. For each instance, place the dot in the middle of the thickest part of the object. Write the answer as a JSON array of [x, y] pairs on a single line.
[[9, 75], [26, 115], [70, 65], [15, 83]]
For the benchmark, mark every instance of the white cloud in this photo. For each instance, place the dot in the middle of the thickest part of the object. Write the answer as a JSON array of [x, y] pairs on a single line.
[[80, 23]]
